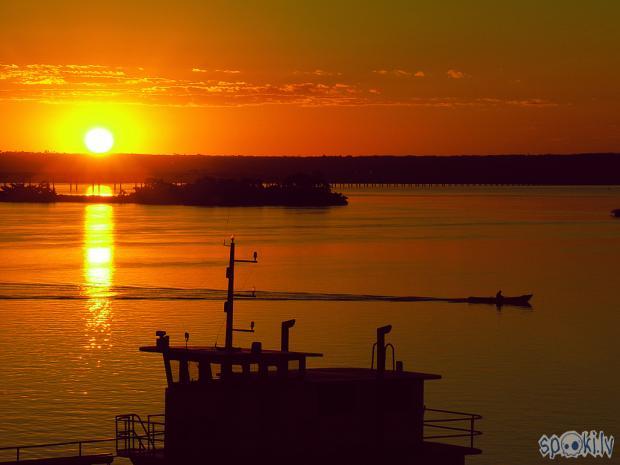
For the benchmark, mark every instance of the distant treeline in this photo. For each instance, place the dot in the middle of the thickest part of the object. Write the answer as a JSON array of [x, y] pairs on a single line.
[[295, 191], [599, 168]]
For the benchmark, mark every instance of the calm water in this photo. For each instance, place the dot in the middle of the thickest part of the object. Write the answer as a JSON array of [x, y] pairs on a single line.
[[68, 343]]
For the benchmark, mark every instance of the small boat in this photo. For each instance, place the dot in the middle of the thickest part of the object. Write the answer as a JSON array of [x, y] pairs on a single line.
[[521, 300], [616, 213]]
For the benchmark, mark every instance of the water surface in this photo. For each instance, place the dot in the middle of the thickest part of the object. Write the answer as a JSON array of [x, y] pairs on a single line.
[[68, 338]]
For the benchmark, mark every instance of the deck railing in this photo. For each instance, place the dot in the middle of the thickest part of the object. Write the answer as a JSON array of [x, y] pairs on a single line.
[[134, 435], [464, 428], [80, 447]]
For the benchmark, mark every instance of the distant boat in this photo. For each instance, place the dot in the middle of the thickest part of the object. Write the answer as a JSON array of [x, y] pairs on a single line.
[[521, 300], [616, 213]]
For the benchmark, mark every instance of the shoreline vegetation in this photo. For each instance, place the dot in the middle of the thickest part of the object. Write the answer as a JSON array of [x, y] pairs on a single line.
[[295, 191], [578, 169]]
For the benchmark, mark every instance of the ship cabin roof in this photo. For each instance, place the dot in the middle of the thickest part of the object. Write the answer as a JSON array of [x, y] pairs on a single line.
[[260, 363]]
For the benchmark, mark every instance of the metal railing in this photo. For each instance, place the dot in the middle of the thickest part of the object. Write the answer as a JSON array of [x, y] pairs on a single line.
[[389, 345], [450, 416], [157, 429], [133, 435], [79, 444]]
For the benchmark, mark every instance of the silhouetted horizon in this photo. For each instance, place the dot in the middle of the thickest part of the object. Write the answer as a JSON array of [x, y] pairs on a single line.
[[558, 169], [295, 191]]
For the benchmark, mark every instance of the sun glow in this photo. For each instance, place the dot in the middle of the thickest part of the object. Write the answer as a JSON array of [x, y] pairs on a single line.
[[99, 140], [99, 190], [98, 273]]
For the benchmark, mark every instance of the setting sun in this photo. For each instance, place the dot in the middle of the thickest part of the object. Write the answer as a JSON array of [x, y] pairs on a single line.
[[99, 140]]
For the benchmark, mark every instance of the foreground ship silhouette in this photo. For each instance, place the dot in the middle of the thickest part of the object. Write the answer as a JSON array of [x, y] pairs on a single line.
[[250, 405]]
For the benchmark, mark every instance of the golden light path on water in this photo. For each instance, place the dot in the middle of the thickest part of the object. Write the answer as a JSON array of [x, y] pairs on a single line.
[[98, 272]]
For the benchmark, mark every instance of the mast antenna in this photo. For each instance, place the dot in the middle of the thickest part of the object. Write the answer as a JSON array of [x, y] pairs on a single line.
[[229, 304]]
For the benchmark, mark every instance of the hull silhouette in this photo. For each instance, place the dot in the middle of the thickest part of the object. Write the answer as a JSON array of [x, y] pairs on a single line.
[[522, 300]]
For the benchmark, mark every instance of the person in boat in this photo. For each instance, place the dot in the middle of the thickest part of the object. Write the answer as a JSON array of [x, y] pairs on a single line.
[[499, 300]]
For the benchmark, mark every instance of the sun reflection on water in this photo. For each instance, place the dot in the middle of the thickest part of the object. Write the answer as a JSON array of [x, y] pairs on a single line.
[[98, 273]]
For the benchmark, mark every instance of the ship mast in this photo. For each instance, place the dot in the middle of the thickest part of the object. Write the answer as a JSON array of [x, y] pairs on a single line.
[[229, 304]]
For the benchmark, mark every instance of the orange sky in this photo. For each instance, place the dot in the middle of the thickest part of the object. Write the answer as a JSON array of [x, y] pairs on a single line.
[[315, 77]]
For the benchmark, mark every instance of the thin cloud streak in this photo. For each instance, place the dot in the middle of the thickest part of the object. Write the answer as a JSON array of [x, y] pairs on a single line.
[[318, 72], [224, 71], [399, 73], [454, 74], [61, 84]]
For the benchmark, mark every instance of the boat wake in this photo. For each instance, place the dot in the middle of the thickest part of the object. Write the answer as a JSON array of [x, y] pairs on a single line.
[[42, 291], [46, 291]]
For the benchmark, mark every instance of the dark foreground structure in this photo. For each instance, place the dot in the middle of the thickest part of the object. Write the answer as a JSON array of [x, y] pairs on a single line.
[[238, 410], [250, 405]]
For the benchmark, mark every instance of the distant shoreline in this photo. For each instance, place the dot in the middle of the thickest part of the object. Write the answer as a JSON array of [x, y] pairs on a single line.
[[296, 191], [576, 169], [116, 199]]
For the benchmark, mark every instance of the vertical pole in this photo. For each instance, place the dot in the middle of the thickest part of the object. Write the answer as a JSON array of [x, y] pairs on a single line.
[[204, 372], [228, 307], [168, 369], [183, 372], [381, 332], [284, 338], [380, 352], [284, 335]]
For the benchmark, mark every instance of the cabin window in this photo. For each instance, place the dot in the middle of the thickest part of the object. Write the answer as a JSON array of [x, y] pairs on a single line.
[[174, 366], [193, 371]]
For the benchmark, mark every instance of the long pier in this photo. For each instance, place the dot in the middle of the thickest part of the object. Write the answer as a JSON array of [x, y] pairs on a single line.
[[408, 185], [117, 187]]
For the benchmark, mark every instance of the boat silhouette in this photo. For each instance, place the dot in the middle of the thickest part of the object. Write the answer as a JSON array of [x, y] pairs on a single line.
[[519, 301], [256, 405]]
